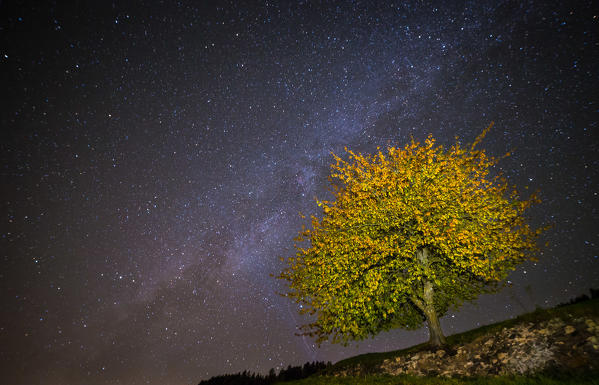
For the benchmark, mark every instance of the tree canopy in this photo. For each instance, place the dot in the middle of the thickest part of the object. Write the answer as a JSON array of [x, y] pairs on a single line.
[[410, 233]]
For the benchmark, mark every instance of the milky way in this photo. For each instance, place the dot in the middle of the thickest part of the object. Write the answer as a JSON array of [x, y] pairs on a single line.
[[155, 157]]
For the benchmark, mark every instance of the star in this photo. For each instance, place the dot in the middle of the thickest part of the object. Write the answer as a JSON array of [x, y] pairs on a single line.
[[156, 157]]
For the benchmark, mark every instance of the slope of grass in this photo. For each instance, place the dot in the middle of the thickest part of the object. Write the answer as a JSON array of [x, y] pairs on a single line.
[[582, 379], [368, 362]]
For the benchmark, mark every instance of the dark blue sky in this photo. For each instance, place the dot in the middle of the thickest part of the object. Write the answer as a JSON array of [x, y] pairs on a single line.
[[155, 156]]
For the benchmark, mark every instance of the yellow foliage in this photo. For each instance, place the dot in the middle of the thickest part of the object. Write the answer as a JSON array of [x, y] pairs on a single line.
[[360, 274]]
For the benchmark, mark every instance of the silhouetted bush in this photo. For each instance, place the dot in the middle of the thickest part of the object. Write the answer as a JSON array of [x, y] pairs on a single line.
[[288, 374], [581, 298]]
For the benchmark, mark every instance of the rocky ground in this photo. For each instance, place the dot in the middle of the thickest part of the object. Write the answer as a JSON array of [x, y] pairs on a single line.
[[526, 348]]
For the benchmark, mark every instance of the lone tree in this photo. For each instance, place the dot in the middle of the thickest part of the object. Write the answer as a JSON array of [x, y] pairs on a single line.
[[410, 233]]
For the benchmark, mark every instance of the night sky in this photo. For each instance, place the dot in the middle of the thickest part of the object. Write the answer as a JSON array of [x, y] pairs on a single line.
[[155, 156]]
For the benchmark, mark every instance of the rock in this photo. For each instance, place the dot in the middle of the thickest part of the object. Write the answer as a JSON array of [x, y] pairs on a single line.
[[555, 323], [522, 349], [592, 326]]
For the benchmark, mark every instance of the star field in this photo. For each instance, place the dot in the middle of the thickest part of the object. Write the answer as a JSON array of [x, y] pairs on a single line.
[[155, 156]]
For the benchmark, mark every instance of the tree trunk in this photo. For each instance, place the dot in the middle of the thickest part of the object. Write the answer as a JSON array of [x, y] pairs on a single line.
[[428, 307], [434, 328]]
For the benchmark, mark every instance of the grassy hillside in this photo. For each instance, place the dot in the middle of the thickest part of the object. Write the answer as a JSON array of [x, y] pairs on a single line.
[[369, 363], [583, 379]]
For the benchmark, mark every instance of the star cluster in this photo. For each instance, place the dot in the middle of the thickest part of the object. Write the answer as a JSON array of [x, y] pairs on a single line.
[[155, 156]]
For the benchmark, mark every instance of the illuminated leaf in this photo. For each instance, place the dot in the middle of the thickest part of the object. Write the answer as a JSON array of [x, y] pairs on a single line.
[[411, 232]]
